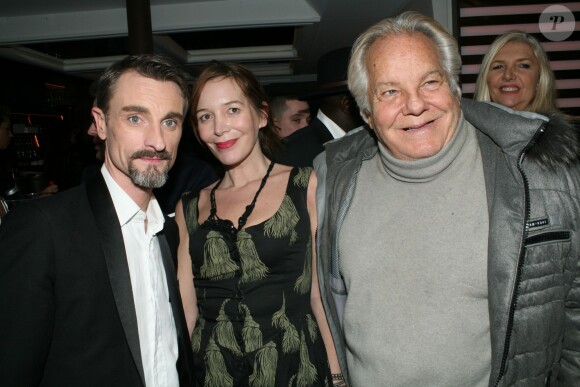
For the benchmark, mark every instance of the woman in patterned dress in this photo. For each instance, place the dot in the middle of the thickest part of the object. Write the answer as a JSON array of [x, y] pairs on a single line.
[[246, 260]]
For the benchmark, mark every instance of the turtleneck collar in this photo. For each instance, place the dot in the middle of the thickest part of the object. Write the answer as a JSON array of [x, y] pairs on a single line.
[[429, 168]]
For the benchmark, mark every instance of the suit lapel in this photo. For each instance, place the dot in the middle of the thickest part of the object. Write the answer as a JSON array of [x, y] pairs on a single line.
[[116, 258]]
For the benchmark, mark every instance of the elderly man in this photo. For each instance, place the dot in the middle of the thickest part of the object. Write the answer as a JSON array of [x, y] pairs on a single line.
[[88, 287], [448, 240]]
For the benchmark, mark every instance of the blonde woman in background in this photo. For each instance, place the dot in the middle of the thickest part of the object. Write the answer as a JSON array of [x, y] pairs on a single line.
[[516, 73]]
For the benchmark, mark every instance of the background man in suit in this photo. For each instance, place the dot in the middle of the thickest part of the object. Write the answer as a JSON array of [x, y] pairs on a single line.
[[88, 288], [337, 111]]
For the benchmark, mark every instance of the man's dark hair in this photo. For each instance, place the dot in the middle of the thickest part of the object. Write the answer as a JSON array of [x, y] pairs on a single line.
[[148, 65], [278, 104]]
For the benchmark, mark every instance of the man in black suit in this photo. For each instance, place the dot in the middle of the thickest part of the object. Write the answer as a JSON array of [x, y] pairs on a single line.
[[88, 288], [337, 111]]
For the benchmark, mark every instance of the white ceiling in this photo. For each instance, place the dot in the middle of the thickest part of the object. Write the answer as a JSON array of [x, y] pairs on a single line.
[[320, 26]]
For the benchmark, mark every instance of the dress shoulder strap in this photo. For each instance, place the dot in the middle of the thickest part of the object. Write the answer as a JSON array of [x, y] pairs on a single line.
[[298, 183], [189, 201], [300, 176]]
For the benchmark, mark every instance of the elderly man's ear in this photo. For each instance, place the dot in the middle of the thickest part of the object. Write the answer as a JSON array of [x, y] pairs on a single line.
[[369, 119]]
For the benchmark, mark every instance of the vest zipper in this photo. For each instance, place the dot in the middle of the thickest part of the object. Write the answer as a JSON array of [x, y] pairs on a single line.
[[522, 256]]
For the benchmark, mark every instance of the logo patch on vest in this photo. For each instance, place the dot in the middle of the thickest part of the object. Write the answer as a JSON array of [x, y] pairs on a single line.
[[538, 223]]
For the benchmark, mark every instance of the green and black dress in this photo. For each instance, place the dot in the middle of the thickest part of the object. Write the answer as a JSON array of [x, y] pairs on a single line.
[[255, 325]]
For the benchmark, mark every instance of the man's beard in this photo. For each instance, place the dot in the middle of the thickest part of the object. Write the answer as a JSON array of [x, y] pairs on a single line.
[[151, 177]]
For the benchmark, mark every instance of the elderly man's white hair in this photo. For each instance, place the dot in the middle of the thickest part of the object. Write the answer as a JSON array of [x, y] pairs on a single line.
[[406, 23]]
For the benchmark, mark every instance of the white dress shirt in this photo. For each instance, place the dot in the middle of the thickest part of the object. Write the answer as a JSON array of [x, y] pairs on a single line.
[[335, 130], [157, 332]]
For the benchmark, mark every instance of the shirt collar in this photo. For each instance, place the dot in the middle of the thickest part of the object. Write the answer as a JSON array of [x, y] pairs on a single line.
[[335, 130]]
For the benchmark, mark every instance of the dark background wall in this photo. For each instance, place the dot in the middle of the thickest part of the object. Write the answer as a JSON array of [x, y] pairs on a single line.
[[59, 105]]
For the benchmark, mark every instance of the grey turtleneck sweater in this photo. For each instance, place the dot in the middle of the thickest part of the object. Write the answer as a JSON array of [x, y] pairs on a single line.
[[413, 250]]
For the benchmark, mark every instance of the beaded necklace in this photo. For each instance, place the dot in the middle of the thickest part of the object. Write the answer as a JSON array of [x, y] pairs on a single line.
[[225, 225]]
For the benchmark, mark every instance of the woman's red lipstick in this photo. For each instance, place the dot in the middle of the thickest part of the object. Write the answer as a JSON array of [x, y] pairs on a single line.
[[225, 144]]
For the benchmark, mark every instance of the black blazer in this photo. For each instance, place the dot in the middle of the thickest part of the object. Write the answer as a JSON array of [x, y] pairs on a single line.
[[302, 146], [68, 316]]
